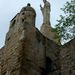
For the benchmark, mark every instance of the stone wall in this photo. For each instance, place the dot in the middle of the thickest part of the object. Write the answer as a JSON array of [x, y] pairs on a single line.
[[28, 52], [38, 48], [67, 59]]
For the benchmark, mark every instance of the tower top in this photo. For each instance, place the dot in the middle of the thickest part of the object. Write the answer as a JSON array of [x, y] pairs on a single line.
[[28, 8]]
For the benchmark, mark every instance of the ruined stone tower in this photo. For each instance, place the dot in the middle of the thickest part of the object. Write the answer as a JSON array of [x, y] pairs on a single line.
[[28, 52], [20, 53], [25, 50]]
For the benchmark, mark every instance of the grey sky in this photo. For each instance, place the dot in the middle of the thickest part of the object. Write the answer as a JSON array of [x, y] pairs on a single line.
[[9, 8]]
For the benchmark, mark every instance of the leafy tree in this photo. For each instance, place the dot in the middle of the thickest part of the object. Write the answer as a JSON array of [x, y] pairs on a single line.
[[65, 29]]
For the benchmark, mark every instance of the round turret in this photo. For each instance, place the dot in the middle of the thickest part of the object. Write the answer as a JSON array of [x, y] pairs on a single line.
[[28, 15]]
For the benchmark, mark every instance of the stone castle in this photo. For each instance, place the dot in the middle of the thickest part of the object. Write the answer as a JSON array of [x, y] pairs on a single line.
[[29, 52]]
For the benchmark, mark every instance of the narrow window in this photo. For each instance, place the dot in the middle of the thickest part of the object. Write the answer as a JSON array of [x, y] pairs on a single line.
[[23, 13], [22, 20]]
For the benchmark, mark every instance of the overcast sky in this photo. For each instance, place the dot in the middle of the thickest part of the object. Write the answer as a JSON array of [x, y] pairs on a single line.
[[9, 8]]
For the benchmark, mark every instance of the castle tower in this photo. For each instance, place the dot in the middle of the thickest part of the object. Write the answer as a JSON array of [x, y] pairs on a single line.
[[28, 15], [21, 53], [46, 28], [28, 52]]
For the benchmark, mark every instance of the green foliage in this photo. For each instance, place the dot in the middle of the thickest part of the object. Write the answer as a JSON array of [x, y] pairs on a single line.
[[66, 24]]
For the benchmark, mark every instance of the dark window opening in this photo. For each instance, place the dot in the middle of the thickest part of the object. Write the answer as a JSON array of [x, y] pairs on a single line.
[[50, 65], [22, 20], [49, 68], [23, 13]]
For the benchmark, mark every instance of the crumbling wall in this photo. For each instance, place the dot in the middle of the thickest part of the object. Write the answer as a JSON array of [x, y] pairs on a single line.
[[67, 58], [35, 51], [28, 52]]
